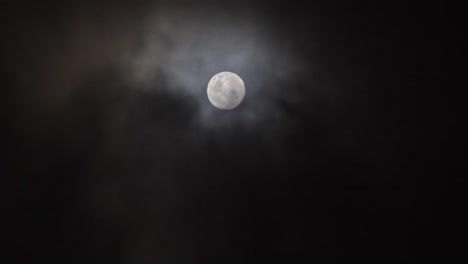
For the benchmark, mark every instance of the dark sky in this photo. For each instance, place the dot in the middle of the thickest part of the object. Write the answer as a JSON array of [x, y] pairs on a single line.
[[112, 153]]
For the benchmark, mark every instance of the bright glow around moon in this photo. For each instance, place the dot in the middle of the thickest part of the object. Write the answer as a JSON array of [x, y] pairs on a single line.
[[226, 90]]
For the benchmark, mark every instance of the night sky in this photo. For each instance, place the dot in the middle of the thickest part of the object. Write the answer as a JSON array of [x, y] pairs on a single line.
[[112, 153]]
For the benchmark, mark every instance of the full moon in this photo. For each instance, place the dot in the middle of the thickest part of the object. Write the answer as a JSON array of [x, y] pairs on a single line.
[[226, 90]]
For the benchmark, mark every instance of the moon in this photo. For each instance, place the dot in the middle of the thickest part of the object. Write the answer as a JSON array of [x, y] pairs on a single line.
[[226, 90]]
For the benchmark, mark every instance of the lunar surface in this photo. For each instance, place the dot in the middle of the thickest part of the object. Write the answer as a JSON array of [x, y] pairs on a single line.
[[226, 90]]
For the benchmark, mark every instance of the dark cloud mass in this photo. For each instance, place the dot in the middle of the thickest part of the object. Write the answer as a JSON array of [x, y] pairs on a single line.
[[114, 154]]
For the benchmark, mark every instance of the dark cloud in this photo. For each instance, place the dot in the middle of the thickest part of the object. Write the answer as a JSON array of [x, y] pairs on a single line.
[[113, 153]]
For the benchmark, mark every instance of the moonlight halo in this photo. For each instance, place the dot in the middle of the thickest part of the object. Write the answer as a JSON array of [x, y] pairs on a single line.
[[226, 90]]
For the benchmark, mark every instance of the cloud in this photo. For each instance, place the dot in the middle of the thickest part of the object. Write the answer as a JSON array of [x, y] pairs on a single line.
[[182, 49]]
